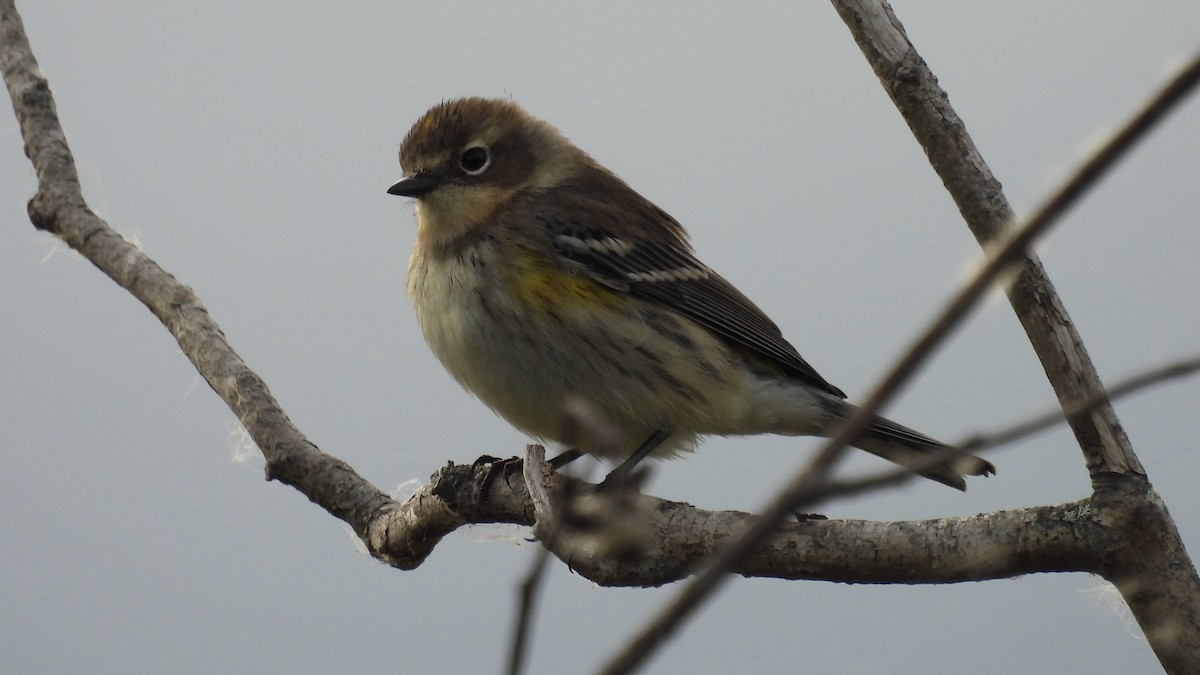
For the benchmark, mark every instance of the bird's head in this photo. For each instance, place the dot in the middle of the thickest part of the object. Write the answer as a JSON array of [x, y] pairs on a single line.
[[464, 159]]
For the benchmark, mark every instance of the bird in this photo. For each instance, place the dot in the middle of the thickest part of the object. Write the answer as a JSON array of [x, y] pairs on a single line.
[[538, 277]]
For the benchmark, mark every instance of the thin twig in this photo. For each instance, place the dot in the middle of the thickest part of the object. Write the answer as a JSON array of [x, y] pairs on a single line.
[[528, 593], [1012, 434], [639, 648], [1016, 432]]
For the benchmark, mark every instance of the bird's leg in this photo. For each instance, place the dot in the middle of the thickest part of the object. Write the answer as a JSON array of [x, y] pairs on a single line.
[[564, 458], [496, 465], [492, 467], [617, 477]]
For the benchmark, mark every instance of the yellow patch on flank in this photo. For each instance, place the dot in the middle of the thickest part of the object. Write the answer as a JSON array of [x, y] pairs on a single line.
[[542, 286]]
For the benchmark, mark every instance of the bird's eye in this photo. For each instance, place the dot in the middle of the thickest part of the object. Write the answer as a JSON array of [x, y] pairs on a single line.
[[475, 160]]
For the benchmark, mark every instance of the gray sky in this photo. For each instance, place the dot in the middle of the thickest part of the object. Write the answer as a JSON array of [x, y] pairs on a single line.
[[247, 146]]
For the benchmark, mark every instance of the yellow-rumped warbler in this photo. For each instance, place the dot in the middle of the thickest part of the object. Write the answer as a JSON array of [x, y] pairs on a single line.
[[538, 275]]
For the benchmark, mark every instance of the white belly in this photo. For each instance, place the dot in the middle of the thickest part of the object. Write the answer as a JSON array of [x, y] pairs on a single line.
[[526, 365]]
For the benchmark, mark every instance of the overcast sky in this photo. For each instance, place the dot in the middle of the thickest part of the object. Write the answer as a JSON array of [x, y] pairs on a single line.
[[248, 147]]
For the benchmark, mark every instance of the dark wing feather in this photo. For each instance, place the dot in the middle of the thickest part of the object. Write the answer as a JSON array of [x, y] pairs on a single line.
[[650, 258]]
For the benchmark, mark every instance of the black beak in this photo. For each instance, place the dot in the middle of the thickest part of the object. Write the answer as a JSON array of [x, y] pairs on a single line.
[[416, 185]]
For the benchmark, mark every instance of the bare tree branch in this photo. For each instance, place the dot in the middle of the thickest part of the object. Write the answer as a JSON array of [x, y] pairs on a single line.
[[673, 538], [59, 208], [1159, 585], [953, 155]]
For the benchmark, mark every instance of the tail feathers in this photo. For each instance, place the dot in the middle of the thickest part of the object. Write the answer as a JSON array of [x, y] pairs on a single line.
[[899, 444]]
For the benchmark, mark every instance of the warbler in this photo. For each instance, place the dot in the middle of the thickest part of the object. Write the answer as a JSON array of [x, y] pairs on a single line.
[[539, 276]]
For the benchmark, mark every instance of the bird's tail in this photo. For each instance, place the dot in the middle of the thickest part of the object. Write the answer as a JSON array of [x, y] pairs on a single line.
[[899, 444]]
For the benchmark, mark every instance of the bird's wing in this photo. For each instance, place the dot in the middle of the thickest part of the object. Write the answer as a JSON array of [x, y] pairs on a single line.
[[630, 245]]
